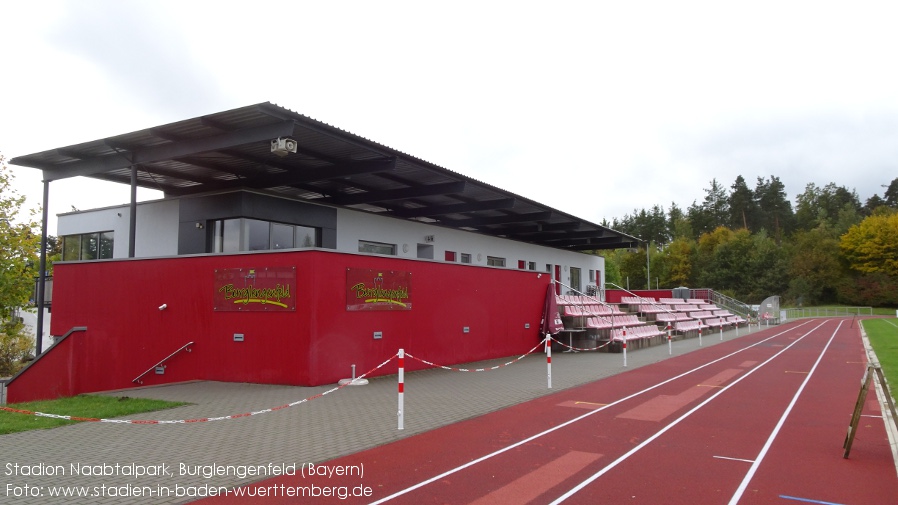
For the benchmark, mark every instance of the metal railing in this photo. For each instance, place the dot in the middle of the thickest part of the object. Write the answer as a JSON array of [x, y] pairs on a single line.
[[183, 347], [797, 313], [730, 303]]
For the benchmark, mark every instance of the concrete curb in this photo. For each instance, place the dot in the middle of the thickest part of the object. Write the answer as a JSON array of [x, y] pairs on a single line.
[[890, 424]]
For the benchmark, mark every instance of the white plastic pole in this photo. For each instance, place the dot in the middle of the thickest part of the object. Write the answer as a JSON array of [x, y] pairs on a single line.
[[549, 360], [625, 346], [699, 337], [401, 388], [721, 333], [669, 345]]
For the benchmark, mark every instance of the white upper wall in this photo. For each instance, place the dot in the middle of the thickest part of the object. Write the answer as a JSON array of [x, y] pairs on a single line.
[[158, 222], [157, 227], [353, 226]]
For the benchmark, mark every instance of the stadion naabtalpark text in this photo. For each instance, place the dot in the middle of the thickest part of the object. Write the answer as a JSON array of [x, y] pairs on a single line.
[[182, 480]]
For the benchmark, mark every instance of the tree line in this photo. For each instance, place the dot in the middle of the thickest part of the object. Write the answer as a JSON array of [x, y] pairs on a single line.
[[750, 243]]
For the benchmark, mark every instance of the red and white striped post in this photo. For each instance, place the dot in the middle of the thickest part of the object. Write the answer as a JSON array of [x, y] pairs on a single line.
[[721, 333], [669, 345], [699, 336], [625, 346], [549, 360], [401, 389], [736, 324]]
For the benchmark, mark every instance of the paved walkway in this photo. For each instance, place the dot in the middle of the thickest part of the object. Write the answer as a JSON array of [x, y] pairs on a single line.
[[338, 424]]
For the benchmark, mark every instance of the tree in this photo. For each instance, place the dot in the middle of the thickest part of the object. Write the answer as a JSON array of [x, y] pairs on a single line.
[[20, 243], [891, 194], [743, 207], [815, 268], [872, 245], [776, 214], [677, 262], [828, 205]]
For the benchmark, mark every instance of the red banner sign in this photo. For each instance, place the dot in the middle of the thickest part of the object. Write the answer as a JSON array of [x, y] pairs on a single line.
[[270, 289], [368, 289]]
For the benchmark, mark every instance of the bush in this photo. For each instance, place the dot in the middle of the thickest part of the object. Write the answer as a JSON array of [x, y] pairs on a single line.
[[15, 348]]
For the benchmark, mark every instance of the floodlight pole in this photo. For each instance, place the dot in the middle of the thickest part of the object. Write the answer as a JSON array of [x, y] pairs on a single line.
[[648, 267]]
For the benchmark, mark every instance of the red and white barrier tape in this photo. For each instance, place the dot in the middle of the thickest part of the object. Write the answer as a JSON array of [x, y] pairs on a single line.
[[454, 369], [199, 420]]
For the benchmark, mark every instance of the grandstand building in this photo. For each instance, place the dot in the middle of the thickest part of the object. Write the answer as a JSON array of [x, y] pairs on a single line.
[[287, 251]]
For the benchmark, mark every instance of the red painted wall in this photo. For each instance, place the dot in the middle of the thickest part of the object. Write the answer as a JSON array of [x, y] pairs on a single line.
[[615, 295], [316, 344]]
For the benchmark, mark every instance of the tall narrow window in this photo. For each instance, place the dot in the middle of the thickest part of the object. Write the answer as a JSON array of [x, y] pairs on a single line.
[[281, 236]]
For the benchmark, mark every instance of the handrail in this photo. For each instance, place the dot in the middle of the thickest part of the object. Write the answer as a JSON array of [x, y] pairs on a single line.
[[185, 346]]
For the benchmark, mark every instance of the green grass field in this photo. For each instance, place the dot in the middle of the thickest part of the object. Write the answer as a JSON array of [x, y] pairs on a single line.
[[883, 335], [103, 407]]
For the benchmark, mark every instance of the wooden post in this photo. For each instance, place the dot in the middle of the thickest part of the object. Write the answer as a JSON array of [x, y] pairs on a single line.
[[872, 369]]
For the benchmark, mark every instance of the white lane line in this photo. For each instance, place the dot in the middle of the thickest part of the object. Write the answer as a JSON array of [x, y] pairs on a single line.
[[664, 430], [572, 421], [779, 425], [735, 459]]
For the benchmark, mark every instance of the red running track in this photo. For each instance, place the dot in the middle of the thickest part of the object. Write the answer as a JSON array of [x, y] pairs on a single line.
[[756, 420]]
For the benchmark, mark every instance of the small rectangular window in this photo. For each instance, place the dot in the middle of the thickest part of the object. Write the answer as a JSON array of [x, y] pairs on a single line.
[[522, 264], [465, 257], [377, 248], [494, 261], [532, 265], [450, 256]]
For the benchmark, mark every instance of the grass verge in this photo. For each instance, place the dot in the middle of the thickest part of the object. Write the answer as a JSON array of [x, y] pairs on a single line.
[[91, 406], [883, 335]]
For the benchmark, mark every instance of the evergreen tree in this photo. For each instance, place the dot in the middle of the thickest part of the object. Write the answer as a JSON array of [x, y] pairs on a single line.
[[775, 210], [743, 207]]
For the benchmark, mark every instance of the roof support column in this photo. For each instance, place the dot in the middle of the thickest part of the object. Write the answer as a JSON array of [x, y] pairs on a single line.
[[132, 226], [42, 273]]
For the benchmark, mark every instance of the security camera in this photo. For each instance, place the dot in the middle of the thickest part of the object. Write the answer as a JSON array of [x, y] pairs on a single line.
[[283, 146], [163, 306]]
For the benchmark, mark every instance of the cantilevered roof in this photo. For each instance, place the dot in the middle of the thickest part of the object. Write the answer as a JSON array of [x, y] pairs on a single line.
[[232, 150]]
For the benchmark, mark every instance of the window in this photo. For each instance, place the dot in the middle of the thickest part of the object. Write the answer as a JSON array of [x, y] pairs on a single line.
[[377, 248], [522, 264], [243, 234], [88, 246], [575, 278], [465, 257], [532, 265], [494, 261], [450, 256]]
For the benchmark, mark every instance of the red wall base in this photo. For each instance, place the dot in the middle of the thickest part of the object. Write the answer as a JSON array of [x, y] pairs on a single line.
[[317, 343]]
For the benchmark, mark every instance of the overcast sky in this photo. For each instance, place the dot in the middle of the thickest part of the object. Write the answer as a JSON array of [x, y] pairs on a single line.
[[594, 108]]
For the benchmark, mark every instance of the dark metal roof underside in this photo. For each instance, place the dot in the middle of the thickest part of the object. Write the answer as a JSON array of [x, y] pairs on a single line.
[[231, 150]]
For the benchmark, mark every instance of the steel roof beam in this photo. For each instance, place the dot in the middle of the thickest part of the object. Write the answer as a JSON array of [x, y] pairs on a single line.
[[106, 163], [398, 194], [460, 208]]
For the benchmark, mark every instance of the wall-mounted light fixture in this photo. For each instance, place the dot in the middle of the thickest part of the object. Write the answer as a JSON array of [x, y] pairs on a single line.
[[199, 225]]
